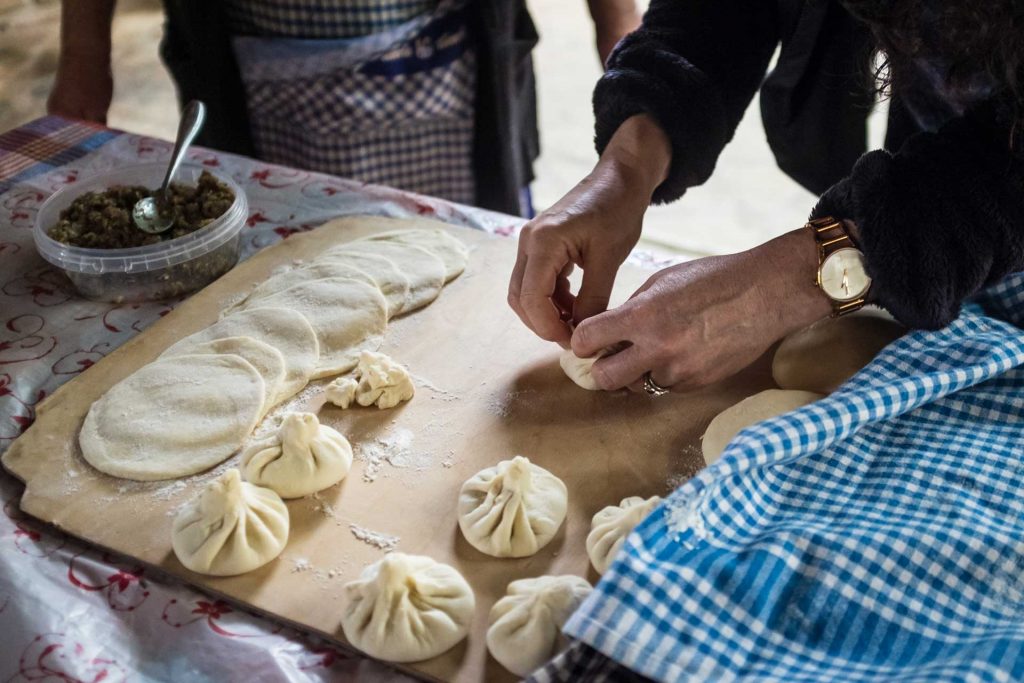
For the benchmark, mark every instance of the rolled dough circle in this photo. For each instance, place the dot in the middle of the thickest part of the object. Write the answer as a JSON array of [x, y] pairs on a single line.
[[174, 417], [424, 271], [751, 410], [437, 241], [826, 354]]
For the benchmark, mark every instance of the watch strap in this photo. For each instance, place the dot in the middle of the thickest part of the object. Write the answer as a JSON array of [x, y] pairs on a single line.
[[831, 235]]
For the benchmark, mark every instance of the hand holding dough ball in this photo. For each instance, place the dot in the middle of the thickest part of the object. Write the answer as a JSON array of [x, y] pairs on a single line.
[[750, 410], [512, 509], [525, 625], [303, 457], [611, 525], [406, 608], [231, 528], [821, 357], [579, 370]]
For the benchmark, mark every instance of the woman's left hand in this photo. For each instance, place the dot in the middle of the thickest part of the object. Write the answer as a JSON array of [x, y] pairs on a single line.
[[702, 321]]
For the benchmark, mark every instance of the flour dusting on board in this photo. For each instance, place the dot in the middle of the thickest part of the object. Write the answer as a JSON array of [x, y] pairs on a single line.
[[437, 392], [396, 448], [376, 539]]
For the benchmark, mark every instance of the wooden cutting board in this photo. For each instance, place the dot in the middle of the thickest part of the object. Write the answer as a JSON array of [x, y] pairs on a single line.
[[487, 389]]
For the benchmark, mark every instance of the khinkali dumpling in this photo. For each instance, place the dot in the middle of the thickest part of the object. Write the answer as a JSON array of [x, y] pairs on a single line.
[[512, 509], [303, 457], [526, 623], [405, 608], [231, 528], [610, 526]]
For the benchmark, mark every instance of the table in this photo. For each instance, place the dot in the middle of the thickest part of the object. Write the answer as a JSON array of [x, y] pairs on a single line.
[[70, 610]]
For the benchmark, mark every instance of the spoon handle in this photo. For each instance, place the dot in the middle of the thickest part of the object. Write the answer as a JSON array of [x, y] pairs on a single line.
[[191, 123]]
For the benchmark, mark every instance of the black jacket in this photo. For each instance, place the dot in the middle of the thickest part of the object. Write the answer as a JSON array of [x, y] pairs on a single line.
[[197, 50], [941, 214]]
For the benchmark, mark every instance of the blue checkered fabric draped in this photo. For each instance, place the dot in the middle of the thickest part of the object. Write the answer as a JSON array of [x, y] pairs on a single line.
[[394, 108], [876, 535]]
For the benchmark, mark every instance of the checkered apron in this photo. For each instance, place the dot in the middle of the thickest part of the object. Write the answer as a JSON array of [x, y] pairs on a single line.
[[875, 535], [393, 108]]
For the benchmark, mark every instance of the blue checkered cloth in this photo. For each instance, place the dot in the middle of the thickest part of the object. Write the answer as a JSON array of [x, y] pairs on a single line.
[[876, 535]]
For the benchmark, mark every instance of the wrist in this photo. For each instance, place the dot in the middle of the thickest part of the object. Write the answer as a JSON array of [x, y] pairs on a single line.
[[639, 153], [793, 257]]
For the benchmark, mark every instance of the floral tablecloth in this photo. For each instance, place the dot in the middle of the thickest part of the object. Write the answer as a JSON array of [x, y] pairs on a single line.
[[67, 611]]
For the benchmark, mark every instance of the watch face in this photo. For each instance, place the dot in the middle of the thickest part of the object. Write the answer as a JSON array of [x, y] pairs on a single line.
[[843, 276]]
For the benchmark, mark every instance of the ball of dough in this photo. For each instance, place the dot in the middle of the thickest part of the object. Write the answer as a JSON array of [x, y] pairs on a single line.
[[174, 417], [579, 370], [406, 608], [512, 509], [610, 526], [750, 410], [821, 357], [525, 625], [231, 528], [303, 457]]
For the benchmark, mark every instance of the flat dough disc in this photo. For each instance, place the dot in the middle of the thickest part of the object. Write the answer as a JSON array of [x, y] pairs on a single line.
[[284, 279], [287, 331], [757, 408], [348, 316], [267, 360], [174, 417], [390, 280], [453, 253], [424, 270]]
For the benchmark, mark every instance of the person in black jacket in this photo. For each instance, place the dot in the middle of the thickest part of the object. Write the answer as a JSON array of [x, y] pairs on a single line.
[[928, 221]]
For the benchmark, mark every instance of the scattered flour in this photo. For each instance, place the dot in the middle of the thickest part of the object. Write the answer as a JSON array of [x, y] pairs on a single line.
[[300, 564], [377, 540], [394, 448], [502, 406], [438, 392]]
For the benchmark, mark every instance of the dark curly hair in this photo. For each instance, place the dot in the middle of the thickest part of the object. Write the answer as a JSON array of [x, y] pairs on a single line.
[[971, 38]]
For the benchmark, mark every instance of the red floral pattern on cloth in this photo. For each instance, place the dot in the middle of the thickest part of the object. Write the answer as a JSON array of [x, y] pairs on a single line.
[[72, 613]]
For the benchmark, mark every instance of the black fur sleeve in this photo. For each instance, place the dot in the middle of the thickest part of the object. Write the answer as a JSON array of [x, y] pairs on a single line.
[[938, 220], [694, 66]]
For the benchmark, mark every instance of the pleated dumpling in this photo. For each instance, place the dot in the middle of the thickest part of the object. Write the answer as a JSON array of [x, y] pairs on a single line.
[[231, 528], [301, 458], [525, 624], [611, 525], [512, 509], [406, 608]]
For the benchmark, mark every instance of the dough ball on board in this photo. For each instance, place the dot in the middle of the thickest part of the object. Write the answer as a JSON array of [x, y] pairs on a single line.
[[174, 417], [526, 624], [231, 528], [512, 509], [750, 410], [821, 357], [407, 608], [301, 458], [611, 525], [579, 370]]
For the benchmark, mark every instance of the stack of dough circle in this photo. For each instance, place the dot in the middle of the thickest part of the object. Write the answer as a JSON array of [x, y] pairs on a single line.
[[526, 624], [424, 270], [317, 270], [451, 251], [611, 525], [407, 608], [390, 279], [750, 410], [174, 417], [512, 509], [231, 528]]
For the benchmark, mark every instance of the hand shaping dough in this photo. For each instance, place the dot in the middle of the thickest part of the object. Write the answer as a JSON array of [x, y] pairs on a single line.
[[287, 331], [406, 608], [424, 270], [437, 241], [525, 625], [747, 412], [579, 369], [231, 528], [821, 357], [267, 360], [173, 417], [341, 392], [347, 315], [303, 457], [512, 509], [611, 525]]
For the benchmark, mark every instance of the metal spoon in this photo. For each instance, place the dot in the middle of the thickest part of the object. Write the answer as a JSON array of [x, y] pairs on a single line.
[[150, 213]]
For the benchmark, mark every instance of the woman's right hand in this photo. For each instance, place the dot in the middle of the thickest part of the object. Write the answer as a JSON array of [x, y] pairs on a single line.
[[594, 226]]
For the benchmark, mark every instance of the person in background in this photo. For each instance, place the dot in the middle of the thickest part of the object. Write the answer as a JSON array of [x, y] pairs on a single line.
[[926, 222], [431, 96]]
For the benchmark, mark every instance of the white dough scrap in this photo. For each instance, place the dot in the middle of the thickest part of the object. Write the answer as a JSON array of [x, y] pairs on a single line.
[[341, 392], [301, 458], [231, 528], [407, 608], [174, 417], [611, 525], [378, 380], [526, 624]]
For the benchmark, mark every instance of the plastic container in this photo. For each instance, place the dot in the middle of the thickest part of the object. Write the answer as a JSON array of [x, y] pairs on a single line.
[[155, 271]]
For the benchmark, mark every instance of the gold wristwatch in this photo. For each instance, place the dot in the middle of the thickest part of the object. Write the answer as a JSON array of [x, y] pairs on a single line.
[[842, 275]]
